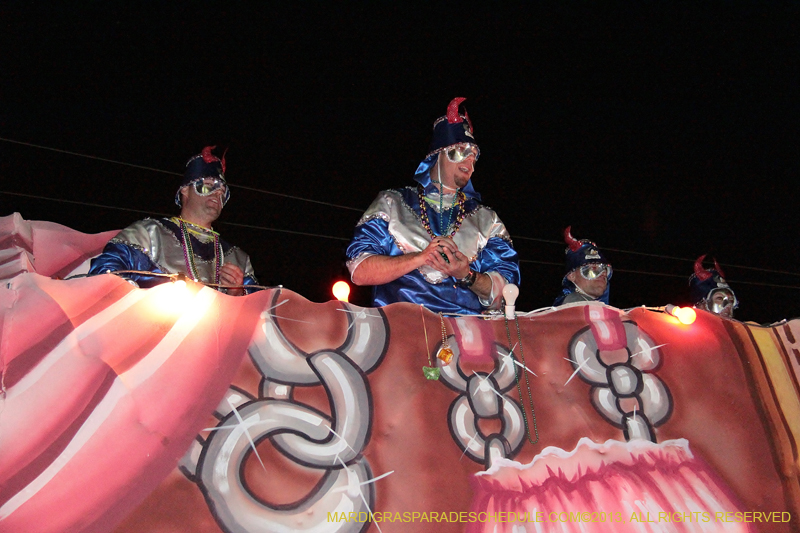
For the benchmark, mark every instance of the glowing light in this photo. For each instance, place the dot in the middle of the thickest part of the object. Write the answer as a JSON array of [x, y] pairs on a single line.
[[170, 298], [685, 315], [341, 290]]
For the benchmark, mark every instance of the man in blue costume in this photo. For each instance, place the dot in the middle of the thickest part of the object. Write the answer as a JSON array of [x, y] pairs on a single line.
[[710, 291], [435, 244], [186, 244], [588, 272]]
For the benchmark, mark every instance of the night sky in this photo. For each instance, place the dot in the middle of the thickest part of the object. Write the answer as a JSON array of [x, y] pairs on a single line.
[[668, 132]]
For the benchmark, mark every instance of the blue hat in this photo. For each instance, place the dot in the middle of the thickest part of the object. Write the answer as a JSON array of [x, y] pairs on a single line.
[[204, 165], [703, 281], [451, 129], [581, 252], [448, 130]]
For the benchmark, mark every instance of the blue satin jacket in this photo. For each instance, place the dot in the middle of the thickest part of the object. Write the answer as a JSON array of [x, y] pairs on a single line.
[[392, 226]]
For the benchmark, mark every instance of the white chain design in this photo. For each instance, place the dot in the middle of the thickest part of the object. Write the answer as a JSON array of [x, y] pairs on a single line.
[[626, 394], [482, 396], [333, 444]]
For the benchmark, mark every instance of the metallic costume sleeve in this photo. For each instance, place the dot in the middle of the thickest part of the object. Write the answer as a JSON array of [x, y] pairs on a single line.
[[493, 253], [249, 276], [370, 238], [372, 235], [118, 256], [132, 249], [499, 260]]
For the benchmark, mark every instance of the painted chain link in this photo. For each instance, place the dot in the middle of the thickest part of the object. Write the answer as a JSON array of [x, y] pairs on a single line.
[[482, 396], [332, 444], [619, 367]]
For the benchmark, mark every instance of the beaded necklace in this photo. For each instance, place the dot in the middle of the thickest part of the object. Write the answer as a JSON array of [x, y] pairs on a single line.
[[442, 227], [188, 253], [430, 372], [527, 383], [458, 203]]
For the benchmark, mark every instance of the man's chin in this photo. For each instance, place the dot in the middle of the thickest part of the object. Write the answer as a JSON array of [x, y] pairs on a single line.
[[597, 294], [594, 293]]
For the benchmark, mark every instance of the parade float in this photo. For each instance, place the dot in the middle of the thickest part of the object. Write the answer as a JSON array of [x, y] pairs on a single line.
[[182, 409]]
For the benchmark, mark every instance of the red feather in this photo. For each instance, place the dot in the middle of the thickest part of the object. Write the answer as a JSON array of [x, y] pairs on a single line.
[[701, 273], [208, 157], [573, 243], [452, 111]]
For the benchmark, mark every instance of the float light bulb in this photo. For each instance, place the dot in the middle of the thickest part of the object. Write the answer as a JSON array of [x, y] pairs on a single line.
[[686, 315], [341, 290], [510, 293], [170, 298]]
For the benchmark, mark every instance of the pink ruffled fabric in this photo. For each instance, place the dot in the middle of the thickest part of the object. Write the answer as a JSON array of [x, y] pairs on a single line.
[[585, 489]]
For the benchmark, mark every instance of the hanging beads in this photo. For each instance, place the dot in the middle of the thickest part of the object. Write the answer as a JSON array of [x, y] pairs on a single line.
[[527, 383], [445, 352], [188, 253], [458, 203]]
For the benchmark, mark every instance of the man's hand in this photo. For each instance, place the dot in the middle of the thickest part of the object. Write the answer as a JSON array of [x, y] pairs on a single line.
[[434, 251], [380, 269], [231, 275], [446, 258], [456, 265]]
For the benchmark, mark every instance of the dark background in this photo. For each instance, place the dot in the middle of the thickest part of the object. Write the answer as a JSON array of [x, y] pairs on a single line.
[[660, 132]]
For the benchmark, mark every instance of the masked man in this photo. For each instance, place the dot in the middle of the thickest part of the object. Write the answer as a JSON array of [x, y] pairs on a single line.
[[710, 291], [186, 244], [434, 243], [588, 272]]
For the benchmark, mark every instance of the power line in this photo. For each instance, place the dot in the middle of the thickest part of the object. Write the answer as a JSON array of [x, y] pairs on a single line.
[[63, 200], [319, 202], [292, 232], [231, 185], [659, 256], [548, 241], [87, 156], [548, 263], [155, 213], [772, 271], [665, 275], [297, 198], [346, 239]]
